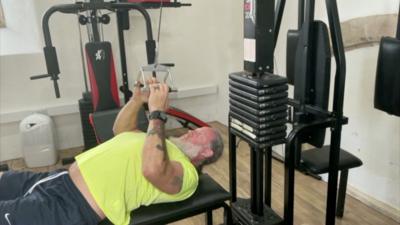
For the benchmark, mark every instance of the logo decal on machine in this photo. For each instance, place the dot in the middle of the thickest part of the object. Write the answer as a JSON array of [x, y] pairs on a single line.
[[100, 55], [250, 10]]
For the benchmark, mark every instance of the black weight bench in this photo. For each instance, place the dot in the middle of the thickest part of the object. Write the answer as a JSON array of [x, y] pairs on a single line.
[[208, 196], [316, 161]]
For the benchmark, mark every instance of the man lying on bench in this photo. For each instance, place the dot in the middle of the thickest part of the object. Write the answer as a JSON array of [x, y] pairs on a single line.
[[116, 177]]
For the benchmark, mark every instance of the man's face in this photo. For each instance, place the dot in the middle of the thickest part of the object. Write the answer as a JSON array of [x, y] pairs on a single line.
[[200, 136], [196, 143]]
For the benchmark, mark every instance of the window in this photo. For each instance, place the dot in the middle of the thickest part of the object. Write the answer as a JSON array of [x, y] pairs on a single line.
[[2, 20]]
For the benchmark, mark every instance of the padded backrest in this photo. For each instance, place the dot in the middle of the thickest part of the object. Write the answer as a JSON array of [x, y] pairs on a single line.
[[292, 41], [312, 84], [102, 76], [103, 122], [387, 85]]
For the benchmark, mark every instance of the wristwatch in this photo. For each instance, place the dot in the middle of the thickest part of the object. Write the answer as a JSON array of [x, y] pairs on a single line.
[[160, 115]]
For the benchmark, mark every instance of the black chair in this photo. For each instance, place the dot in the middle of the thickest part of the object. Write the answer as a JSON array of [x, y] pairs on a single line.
[[208, 196], [3, 167], [316, 161]]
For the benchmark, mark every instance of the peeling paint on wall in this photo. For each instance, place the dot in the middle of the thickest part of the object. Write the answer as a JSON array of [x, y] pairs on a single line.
[[367, 31]]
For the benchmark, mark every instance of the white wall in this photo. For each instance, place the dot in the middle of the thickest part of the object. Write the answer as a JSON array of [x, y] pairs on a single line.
[[21, 34], [187, 39]]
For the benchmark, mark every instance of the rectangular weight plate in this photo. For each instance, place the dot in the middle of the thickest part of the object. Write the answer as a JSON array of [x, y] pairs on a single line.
[[256, 98], [264, 81], [258, 126], [259, 119], [256, 144], [258, 92], [257, 112], [257, 105]]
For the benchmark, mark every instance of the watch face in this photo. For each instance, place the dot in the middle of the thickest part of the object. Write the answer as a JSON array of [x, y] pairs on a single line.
[[158, 115], [163, 116]]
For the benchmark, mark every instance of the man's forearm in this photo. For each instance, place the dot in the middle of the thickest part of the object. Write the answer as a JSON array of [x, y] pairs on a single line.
[[127, 117], [164, 174], [155, 151]]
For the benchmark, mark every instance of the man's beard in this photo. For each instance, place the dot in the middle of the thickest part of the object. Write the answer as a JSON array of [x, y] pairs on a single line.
[[189, 149]]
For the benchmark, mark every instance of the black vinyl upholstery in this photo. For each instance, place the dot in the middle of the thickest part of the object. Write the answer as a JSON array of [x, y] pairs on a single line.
[[387, 86], [308, 65], [103, 122], [208, 196], [291, 49], [317, 160]]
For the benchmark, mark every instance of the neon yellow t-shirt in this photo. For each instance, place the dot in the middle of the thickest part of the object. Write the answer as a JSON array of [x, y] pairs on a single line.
[[113, 173]]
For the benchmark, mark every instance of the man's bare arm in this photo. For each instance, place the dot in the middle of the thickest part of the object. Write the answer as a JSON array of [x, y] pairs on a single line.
[[166, 175], [127, 117]]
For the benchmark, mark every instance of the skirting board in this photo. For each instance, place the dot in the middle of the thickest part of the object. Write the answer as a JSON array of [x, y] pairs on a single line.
[[372, 202]]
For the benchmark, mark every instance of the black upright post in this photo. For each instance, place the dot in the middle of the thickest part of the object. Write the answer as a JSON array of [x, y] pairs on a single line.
[[340, 78], [232, 163], [124, 69], [94, 23], [259, 20], [289, 185], [302, 83], [333, 176], [280, 8], [297, 152], [268, 176], [398, 25], [257, 204], [301, 13]]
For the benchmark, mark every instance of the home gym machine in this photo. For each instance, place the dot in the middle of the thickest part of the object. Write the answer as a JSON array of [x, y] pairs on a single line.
[[258, 102], [104, 93]]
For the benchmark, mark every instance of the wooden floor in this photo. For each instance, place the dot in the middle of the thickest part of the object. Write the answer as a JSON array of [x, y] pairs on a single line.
[[309, 199]]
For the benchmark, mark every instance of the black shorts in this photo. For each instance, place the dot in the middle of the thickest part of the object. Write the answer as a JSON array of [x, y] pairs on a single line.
[[28, 198]]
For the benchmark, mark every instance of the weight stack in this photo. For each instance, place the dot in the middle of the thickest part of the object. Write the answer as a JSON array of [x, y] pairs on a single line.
[[258, 108]]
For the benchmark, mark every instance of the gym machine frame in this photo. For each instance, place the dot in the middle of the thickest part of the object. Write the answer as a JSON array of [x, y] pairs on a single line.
[[49, 50], [121, 9], [123, 24], [268, 24]]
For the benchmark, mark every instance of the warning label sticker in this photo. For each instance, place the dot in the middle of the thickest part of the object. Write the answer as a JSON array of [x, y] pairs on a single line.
[[250, 50]]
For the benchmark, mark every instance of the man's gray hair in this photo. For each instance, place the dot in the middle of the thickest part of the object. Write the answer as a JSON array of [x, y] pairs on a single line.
[[217, 145]]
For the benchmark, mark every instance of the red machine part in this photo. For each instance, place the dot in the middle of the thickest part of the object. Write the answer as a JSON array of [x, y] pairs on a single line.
[[153, 1]]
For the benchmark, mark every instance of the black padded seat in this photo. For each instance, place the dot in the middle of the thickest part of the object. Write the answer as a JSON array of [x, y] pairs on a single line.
[[208, 196], [317, 160]]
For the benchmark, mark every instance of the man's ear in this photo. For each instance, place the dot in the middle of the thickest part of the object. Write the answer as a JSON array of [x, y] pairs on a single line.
[[207, 152]]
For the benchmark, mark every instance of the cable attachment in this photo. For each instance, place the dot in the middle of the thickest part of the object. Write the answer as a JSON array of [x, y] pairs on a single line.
[[154, 70]]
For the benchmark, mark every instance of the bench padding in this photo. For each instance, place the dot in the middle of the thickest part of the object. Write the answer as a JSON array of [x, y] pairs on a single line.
[[208, 196], [317, 160]]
